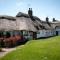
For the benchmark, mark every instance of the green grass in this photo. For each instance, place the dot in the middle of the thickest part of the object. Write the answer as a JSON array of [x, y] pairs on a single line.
[[43, 49]]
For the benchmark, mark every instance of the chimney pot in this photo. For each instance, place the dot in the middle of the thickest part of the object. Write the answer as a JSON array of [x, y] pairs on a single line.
[[47, 19], [30, 12], [54, 20]]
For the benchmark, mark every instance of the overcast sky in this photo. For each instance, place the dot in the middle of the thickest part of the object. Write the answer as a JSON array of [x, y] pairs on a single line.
[[41, 8]]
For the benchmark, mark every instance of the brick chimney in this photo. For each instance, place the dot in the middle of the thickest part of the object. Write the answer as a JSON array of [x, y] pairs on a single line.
[[54, 20], [30, 12], [47, 19]]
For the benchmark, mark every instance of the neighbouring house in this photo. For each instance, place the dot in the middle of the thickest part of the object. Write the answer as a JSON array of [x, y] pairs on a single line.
[[46, 29], [49, 29], [57, 27]]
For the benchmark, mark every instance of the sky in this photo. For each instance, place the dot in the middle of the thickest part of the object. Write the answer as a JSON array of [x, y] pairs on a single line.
[[41, 8]]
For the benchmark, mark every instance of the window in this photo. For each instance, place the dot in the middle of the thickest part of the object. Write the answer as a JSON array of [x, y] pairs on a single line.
[[38, 32], [1, 34], [25, 33], [8, 34]]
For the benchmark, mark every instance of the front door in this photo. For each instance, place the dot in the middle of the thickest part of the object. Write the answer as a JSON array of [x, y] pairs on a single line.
[[57, 33], [34, 35]]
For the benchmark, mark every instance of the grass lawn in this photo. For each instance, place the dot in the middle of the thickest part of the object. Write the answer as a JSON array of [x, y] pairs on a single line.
[[43, 49]]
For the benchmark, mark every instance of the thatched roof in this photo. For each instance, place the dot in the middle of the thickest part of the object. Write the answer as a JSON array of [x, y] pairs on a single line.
[[36, 22], [20, 14], [7, 17], [25, 24], [55, 24], [23, 21], [7, 23], [47, 25]]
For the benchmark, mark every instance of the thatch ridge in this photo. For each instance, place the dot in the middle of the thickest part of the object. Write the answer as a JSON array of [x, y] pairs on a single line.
[[7, 17]]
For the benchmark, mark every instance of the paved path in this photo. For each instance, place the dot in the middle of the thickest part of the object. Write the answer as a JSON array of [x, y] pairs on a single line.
[[7, 50]]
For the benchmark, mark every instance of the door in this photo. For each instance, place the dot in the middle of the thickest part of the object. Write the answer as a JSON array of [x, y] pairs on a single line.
[[34, 35], [57, 33]]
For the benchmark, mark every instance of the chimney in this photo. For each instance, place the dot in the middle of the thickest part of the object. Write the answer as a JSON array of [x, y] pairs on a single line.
[[47, 19], [30, 12], [54, 20]]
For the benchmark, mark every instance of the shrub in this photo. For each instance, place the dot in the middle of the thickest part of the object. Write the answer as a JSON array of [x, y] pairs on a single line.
[[0, 49]]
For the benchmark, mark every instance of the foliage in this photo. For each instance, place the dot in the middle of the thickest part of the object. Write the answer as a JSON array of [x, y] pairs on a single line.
[[0, 49]]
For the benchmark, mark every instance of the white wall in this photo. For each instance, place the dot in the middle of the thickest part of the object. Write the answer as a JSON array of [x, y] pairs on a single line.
[[58, 31], [45, 33], [41, 33]]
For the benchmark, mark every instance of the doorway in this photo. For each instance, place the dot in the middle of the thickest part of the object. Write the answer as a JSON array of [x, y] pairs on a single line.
[[57, 33]]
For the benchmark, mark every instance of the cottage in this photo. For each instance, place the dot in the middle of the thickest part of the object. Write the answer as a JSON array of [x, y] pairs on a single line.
[[47, 29], [7, 23], [57, 27], [25, 24], [16, 30]]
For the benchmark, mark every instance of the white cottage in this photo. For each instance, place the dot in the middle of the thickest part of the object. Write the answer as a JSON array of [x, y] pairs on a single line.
[[57, 27], [47, 29], [29, 26]]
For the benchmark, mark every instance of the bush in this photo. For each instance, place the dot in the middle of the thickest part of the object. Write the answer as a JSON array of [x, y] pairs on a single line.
[[0, 49]]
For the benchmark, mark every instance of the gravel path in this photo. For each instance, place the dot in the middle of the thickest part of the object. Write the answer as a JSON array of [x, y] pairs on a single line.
[[5, 51]]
